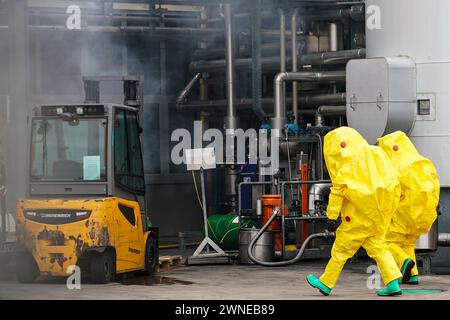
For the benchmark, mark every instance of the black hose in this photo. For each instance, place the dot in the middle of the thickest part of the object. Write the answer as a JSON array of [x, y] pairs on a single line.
[[326, 234]]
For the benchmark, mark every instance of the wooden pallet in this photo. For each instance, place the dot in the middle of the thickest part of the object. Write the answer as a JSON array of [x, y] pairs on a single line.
[[168, 262]]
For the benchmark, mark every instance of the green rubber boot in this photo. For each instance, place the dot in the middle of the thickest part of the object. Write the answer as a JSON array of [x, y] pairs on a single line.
[[393, 289], [406, 270], [316, 283], [414, 280]]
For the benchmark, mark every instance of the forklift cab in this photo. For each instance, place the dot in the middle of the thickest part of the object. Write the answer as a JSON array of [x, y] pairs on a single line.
[[88, 150]]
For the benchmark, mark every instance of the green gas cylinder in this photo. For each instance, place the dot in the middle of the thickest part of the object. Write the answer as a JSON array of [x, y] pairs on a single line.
[[223, 229]]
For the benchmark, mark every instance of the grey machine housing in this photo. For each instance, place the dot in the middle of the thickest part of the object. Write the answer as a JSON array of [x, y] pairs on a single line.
[[381, 96]]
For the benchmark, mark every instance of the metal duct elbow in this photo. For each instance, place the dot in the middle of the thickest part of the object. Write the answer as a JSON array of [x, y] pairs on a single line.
[[279, 119], [317, 192]]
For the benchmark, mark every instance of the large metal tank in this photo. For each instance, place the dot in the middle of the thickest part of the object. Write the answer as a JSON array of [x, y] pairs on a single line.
[[419, 29]]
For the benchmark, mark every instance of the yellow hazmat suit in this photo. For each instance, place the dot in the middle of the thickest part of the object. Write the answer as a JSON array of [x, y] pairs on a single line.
[[364, 191], [420, 196]]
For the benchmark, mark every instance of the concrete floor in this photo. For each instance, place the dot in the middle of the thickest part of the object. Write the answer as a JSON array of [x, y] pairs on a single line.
[[221, 282]]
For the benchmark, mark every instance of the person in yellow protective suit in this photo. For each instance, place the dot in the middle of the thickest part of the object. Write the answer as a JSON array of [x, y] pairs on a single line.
[[364, 192], [417, 209]]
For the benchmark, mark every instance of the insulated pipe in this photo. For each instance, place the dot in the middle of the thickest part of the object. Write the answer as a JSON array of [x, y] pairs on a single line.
[[276, 211], [279, 119], [183, 95], [231, 121], [294, 65]]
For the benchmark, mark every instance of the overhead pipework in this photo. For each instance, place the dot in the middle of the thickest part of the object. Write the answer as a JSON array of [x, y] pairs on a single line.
[[321, 43], [279, 120]]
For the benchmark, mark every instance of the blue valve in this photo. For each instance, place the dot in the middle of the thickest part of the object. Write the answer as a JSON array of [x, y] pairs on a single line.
[[293, 127], [265, 126]]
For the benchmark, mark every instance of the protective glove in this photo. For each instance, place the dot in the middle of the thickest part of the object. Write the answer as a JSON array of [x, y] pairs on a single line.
[[332, 225], [335, 202]]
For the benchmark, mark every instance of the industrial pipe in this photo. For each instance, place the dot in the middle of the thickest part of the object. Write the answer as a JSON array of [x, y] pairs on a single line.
[[145, 18], [317, 192], [294, 65], [231, 121], [279, 119], [183, 95], [282, 40], [324, 58], [283, 51], [333, 37], [310, 101], [267, 49], [325, 111], [163, 31], [355, 12], [326, 234], [320, 154], [332, 110], [332, 57], [444, 240]]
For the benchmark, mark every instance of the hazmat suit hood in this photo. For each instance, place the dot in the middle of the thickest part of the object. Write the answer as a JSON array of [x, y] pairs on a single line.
[[419, 183], [365, 188], [342, 146]]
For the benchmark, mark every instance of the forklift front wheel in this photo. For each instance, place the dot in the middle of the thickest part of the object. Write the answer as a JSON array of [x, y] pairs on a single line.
[[102, 268], [151, 255]]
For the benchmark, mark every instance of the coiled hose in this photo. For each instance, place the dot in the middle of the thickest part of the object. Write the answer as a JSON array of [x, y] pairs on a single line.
[[326, 234]]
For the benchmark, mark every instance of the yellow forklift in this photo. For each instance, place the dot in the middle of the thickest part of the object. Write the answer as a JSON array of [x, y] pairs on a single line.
[[85, 203]]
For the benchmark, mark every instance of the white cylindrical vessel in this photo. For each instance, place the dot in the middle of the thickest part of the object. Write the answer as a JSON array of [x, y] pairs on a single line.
[[419, 29]]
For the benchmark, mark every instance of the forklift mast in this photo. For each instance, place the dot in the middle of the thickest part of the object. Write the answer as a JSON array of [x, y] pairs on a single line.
[[133, 90]]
